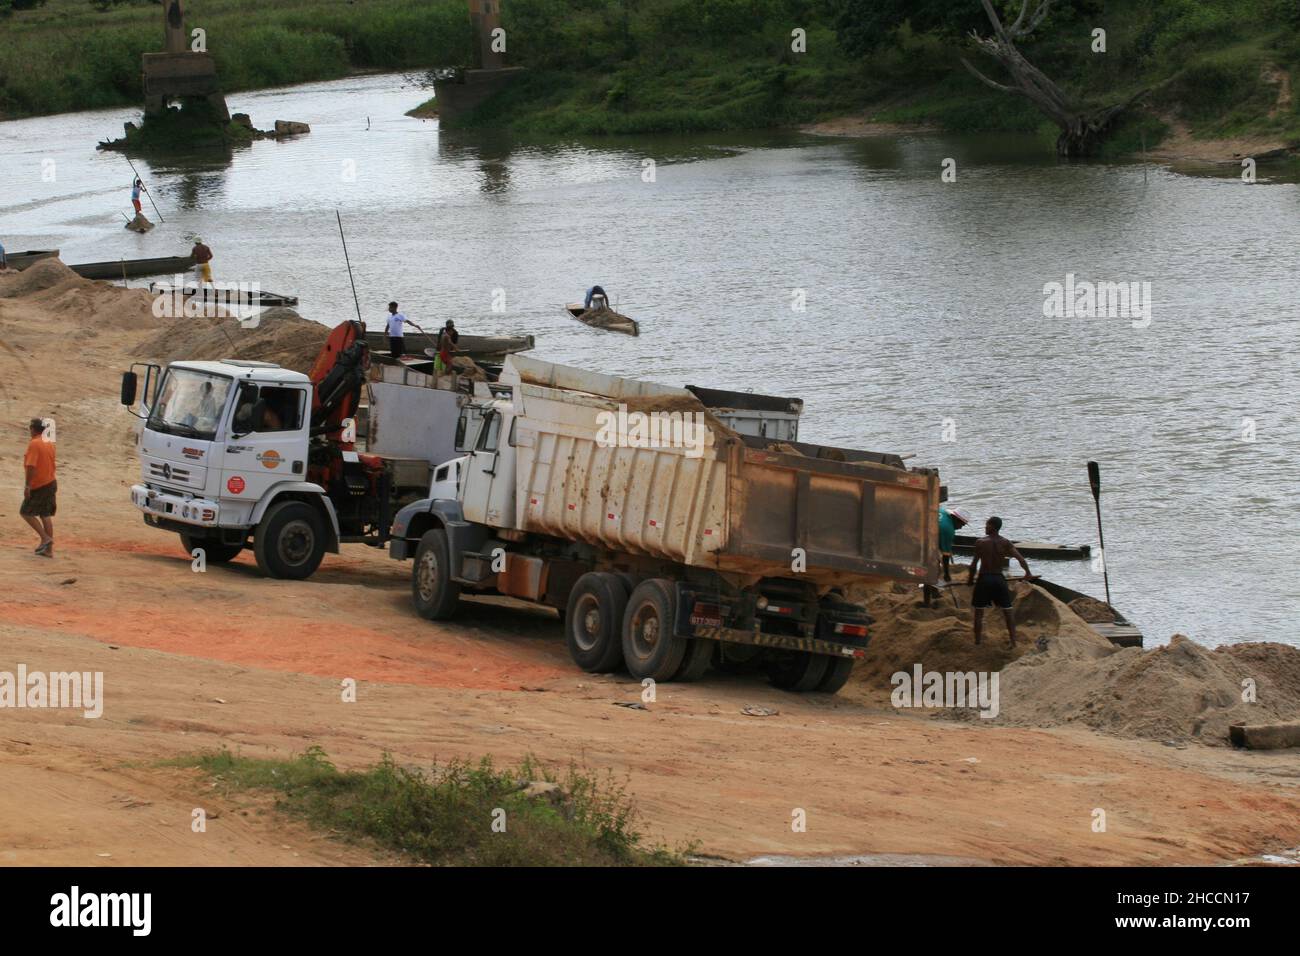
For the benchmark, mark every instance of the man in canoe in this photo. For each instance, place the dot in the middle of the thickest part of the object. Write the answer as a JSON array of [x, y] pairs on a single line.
[[991, 553], [202, 257], [596, 298], [136, 187]]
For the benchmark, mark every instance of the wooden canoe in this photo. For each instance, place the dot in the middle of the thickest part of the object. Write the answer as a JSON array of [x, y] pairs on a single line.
[[262, 299], [1031, 549], [1120, 632], [21, 260], [606, 319], [133, 268]]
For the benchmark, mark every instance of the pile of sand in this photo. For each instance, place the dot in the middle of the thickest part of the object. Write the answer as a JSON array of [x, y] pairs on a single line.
[[1062, 672], [282, 336], [89, 305], [941, 638], [1182, 691]]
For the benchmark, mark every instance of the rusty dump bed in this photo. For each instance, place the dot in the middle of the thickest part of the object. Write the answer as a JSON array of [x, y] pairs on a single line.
[[733, 503]]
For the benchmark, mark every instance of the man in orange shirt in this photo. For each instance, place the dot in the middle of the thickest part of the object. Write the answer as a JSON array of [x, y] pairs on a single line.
[[39, 488]]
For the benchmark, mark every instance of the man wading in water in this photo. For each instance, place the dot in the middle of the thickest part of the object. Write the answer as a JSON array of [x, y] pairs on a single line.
[[991, 553]]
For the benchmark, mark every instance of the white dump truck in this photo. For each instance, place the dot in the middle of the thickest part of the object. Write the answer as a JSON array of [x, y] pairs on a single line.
[[674, 529]]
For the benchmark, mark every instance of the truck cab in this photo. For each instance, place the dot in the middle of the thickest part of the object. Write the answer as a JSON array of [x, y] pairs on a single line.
[[220, 443]]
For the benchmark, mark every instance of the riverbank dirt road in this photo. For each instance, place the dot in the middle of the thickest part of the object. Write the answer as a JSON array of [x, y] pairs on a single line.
[[224, 658]]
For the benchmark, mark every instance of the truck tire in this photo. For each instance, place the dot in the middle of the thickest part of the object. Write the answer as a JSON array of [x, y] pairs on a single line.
[[650, 648], [699, 655], [214, 552], [837, 674], [290, 541], [435, 594], [799, 672], [593, 622]]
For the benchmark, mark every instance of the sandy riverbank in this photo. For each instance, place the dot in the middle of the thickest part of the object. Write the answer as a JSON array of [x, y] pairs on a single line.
[[227, 658]]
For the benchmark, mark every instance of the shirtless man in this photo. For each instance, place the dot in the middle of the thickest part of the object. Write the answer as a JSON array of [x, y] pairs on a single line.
[[991, 553]]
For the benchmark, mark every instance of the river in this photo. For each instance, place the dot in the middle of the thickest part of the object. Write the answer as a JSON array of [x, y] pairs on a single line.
[[922, 327]]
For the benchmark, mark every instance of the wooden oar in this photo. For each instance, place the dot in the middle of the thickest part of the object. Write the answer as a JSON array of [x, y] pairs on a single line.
[[1094, 479]]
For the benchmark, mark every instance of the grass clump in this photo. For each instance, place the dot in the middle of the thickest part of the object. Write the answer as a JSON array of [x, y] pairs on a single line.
[[455, 814]]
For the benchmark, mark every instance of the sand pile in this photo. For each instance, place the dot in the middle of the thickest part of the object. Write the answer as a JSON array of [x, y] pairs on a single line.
[[92, 306], [941, 637], [1182, 691], [282, 336]]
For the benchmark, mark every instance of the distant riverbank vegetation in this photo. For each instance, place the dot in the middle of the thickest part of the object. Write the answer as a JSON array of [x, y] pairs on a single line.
[[1214, 68], [1223, 68], [65, 55]]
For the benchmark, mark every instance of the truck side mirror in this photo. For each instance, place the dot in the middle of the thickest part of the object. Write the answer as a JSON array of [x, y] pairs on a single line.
[[129, 386]]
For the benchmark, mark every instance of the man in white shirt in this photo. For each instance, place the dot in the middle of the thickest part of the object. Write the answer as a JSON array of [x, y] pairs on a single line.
[[394, 330]]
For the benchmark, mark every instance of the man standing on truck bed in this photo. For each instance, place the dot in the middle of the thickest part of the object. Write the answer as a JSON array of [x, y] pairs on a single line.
[[394, 325], [991, 553]]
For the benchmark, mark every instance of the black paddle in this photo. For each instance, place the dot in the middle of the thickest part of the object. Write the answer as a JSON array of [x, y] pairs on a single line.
[[1094, 479]]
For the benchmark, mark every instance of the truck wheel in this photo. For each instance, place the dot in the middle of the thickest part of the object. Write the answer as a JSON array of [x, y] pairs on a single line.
[[214, 552], [699, 655], [593, 622], [799, 672], [837, 674], [650, 648], [435, 594], [290, 541]]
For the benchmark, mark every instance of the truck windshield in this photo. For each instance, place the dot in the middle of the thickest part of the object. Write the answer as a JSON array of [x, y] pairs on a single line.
[[189, 403]]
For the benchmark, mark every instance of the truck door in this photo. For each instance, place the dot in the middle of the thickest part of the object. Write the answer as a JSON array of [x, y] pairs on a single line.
[[266, 441], [478, 503]]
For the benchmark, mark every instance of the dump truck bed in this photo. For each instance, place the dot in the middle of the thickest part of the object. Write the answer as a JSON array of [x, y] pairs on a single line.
[[732, 503]]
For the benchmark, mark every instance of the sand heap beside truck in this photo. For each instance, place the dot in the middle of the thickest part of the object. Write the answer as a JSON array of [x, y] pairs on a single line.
[[713, 537]]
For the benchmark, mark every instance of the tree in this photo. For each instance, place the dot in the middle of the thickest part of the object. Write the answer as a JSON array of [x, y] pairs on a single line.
[[1082, 128]]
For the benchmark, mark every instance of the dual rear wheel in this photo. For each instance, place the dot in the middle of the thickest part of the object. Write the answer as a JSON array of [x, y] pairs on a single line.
[[612, 621]]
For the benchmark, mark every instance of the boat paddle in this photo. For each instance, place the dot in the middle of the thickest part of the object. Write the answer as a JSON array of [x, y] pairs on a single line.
[[1094, 479]]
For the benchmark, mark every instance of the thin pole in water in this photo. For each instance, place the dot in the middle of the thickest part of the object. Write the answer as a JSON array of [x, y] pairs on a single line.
[[1094, 479], [348, 262], [146, 192]]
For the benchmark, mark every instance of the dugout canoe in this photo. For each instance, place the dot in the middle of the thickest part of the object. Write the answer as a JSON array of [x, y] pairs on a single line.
[[606, 319], [1031, 549], [133, 268], [21, 260]]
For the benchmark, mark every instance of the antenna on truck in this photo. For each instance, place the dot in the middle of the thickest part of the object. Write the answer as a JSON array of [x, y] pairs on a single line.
[[348, 263]]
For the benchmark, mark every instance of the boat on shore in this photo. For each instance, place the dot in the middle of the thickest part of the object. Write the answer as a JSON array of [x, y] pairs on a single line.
[[133, 268], [1119, 630], [606, 319], [227, 295], [21, 260]]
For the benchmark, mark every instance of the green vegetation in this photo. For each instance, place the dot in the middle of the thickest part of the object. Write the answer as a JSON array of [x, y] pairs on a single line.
[[72, 55], [629, 66], [445, 817], [635, 66]]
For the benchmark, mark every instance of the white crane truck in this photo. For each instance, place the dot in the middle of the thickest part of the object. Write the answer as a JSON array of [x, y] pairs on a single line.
[[237, 454], [723, 546]]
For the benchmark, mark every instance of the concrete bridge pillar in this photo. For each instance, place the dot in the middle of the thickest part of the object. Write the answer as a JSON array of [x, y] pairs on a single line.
[[486, 17], [176, 40]]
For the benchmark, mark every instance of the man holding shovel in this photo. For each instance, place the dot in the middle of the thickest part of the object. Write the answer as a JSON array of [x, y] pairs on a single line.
[[991, 553]]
